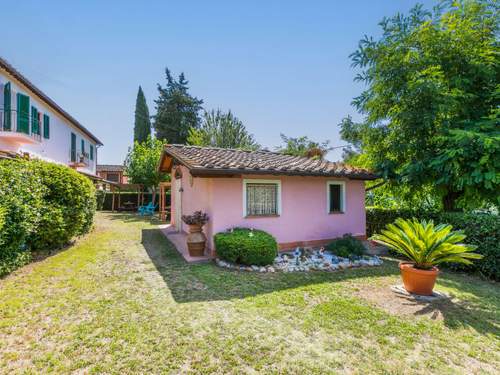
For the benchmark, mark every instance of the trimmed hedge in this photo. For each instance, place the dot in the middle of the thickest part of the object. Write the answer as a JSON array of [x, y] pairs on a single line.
[[43, 206], [21, 201], [346, 246], [481, 229], [246, 246], [69, 205]]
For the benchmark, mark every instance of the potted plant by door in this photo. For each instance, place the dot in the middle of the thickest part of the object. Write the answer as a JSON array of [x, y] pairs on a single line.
[[426, 246], [196, 239]]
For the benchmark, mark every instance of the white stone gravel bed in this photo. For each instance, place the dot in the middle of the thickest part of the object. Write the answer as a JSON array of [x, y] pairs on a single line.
[[305, 261]]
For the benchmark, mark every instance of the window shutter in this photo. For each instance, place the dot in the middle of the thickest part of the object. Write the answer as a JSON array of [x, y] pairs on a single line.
[[91, 152], [7, 97], [46, 126], [35, 126], [73, 147], [23, 113], [83, 146]]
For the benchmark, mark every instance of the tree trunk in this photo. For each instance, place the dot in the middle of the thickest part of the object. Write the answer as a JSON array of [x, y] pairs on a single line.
[[153, 195], [449, 200]]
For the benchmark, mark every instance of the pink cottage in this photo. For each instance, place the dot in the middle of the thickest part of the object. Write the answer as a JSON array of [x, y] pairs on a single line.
[[300, 201]]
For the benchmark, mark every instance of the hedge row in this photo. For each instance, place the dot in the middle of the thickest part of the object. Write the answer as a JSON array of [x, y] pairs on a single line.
[[42, 207], [482, 230]]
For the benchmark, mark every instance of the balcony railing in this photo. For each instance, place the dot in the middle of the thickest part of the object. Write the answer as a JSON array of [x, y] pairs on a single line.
[[79, 159], [12, 123]]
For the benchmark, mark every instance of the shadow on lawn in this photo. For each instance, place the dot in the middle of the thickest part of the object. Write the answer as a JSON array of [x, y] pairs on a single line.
[[207, 282], [475, 312], [132, 217]]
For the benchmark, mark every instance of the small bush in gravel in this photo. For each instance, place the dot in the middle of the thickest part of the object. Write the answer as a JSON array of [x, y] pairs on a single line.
[[346, 247], [246, 246]]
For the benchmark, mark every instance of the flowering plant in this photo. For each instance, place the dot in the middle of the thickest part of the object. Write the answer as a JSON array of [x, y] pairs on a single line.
[[196, 218]]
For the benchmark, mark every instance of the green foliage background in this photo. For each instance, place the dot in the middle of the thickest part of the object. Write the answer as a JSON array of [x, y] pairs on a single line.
[[303, 146], [177, 111], [481, 229], [142, 124], [141, 164], [219, 129], [431, 103]]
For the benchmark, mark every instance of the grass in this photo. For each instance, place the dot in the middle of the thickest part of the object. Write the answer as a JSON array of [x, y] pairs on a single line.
[[122, 301]]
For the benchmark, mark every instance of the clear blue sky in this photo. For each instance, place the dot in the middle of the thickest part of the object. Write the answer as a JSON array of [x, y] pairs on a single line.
[[280, 66]]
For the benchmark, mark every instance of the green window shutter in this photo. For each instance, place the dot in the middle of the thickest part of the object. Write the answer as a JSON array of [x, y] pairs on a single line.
[[46, 126], [7, 97], [83, 146], [73, 147], [35, 126], [91, 152], [23, 113]]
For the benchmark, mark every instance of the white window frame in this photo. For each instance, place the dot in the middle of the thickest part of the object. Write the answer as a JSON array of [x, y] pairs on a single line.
[[258, 181], [342, 196]]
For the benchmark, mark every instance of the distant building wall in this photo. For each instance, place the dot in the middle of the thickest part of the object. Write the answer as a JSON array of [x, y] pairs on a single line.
[[56, 148]]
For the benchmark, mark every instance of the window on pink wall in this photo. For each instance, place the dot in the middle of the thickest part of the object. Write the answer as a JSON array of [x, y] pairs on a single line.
[[261, 198], [335, 196]]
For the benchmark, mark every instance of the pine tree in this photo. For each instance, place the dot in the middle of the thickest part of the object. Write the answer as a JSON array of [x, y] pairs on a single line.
[[142, 126], [176, 110]]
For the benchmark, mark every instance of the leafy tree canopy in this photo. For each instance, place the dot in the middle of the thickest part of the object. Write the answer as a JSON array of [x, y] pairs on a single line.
[[177, 111], [142, 125], [220, 129], [141, 164], [303, 146], [431, 102]]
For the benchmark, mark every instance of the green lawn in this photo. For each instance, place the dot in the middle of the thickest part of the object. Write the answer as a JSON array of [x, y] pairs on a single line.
[[122, 301]]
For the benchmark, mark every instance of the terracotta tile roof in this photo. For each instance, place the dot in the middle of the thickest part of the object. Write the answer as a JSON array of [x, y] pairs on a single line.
[[26, 82], [110, 168], [222, 161]]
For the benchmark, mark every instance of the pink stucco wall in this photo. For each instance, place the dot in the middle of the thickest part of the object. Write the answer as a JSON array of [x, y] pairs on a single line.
[[196, 195], [304, 215]]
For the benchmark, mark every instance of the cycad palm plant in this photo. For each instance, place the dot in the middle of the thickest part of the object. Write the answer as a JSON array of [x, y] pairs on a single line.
[[425, 244]]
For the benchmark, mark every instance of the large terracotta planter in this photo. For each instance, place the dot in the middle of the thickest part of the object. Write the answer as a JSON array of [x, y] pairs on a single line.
[[418, 281], [196, 241]]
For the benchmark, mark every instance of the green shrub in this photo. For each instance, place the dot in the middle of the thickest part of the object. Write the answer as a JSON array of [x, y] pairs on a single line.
[[481, 229], [68, 206], [21, 199], [346, 247], [246, 246], [43, 206]]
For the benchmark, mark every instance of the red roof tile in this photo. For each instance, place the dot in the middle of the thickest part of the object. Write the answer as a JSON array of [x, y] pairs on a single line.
[[223, 161]]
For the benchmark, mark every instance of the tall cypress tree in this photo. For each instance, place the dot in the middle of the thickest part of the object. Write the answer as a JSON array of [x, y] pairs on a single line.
[[142, 126], [176, 110]]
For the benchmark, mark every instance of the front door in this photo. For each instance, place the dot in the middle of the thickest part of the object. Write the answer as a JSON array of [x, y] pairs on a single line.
[[178, 204]]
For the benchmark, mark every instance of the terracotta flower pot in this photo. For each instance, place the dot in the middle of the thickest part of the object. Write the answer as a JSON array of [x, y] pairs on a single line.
[[418, 281], [196, 241]]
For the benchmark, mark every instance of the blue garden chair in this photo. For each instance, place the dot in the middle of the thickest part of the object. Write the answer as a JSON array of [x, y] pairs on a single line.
[[149, 209]]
